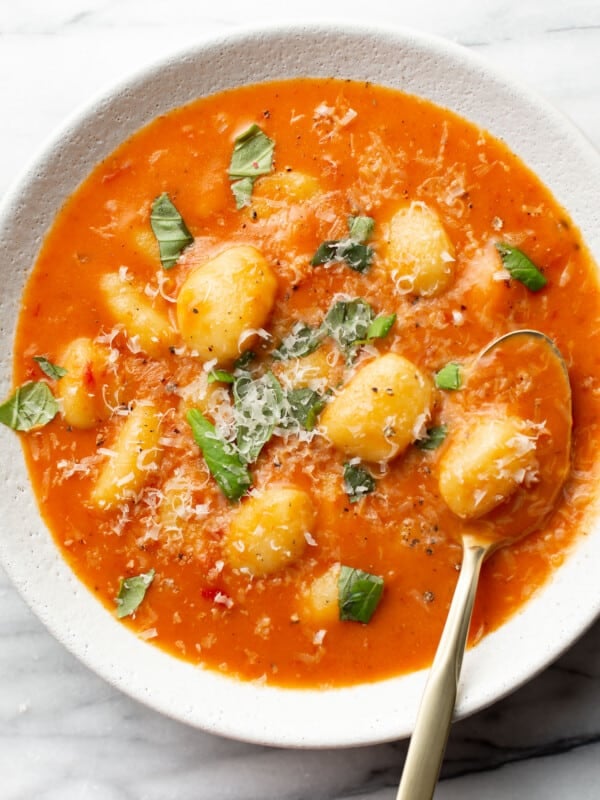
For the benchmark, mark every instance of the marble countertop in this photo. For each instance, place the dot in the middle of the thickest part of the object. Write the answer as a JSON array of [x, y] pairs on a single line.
[[64, 732]]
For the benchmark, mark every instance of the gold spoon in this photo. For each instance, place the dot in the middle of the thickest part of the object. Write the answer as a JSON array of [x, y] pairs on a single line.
[[540, 374]]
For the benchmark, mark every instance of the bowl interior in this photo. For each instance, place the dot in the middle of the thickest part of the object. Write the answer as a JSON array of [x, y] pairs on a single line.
[[440, 71]]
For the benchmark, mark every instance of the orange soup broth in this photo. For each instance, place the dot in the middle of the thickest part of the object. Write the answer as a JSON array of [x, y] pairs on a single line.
[[370, 149]]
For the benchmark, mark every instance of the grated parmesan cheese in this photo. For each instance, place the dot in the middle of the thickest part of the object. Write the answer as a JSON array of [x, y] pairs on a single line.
[[223, 599], [319, 637]]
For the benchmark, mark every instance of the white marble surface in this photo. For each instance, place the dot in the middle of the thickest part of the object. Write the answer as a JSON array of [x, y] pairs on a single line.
[[64, 732]]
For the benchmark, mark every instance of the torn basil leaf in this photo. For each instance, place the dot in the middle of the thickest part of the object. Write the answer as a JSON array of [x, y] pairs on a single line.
[[380, 327], [359, 594], [242, 192], [304, 407], [520, 267], [258, 404], [348, 321], [131, 593], [301, 341], [48, 368], [352, 250], [169, 229], [220, 376], [360, 229], [326, 252], [358, 482], [433, 438], [449, 377], [252, 156], [31, 406], [357, 256], [225, 465]]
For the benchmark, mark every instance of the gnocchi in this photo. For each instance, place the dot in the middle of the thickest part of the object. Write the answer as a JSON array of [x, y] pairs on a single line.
[[176, 503], [80, 390], [268, 531], [223, 302], [320, 599], [318, 370], [281, 189], [144, 242], [144, 324], [380, 411], [420, 253], [485, 463], [133, 457], [486, 289]]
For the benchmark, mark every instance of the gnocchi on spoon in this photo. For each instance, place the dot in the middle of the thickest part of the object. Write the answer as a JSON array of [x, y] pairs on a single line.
[[501, 472]]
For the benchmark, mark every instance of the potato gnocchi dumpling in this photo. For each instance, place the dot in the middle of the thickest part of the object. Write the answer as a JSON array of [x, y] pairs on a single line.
[[320, 599], [281, 189], [81, 389], [223, 302], [381, 410], [144, 242], [319, 370], [484, 463], [144, 324], [485, 287], [420, 253], [176, 506], [268, 531], [134, 456]]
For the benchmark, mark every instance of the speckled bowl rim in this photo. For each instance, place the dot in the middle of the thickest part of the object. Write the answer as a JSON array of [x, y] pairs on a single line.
[[365, 714]]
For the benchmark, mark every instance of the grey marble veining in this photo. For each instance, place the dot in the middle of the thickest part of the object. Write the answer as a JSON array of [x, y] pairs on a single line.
[[67, 735]]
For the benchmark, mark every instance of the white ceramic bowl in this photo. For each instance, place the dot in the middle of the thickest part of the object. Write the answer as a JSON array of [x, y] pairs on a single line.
[[429, 67]]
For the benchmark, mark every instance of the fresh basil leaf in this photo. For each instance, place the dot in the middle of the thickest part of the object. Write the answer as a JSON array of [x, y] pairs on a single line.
[[520, 267], [131, 593], [352, 250], [225, 465], [380, 327], [348, 321], [449, 377], [31, 406], [252, 156], [326, 252], [220, 376], [304, 406], [358, 482], [48, 368], [356, 255], [301, 341], [359, 594], [360, 229], [169, 229], [258, 404], [242, 192], [433, 438]]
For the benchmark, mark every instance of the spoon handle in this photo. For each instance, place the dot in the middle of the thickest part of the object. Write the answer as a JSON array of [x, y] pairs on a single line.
[[430, 735]]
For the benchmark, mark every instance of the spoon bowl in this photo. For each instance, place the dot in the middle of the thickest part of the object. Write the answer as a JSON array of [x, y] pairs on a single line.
[[522, 371]]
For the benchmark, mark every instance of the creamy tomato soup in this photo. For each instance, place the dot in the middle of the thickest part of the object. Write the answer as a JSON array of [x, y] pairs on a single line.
[[246, 350]]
